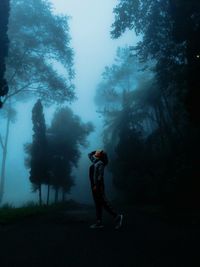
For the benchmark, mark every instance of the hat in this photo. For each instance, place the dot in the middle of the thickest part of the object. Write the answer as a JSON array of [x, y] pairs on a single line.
[[98, 154]]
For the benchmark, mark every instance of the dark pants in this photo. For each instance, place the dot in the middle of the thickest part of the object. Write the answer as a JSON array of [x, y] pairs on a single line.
[[101, 202]]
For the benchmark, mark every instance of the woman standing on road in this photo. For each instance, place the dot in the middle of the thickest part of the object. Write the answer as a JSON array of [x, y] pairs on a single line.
[[96, 173]]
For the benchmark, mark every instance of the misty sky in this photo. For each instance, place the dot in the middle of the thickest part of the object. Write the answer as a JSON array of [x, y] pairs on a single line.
[[94, 49], [90, 26]]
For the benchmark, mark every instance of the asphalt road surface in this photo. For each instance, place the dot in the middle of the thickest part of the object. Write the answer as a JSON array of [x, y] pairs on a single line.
[[64, 239]]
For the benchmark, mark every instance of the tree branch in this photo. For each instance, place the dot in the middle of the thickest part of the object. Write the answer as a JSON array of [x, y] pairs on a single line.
[[15, 72], [16, 92], [1, 142]]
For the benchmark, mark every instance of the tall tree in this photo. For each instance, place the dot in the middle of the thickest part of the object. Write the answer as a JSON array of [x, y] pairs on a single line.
[[37, 151], [39, 46], [119, 98], [118, 89], [186, 29], [54, 153], [169, 33], [4, 16], [39, 43], [175, 51], [10, 114], [65, 136]]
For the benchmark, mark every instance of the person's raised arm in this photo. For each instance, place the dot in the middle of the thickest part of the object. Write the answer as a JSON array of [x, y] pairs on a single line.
[[91, 156]]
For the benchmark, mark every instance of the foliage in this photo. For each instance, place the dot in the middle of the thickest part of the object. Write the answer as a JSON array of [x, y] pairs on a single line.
[[40, 59], [54, 152], [39, 41], [147, 131], [65, 136], [36, 160], [38, 149], [4, 16], [9, 112], [169, 31]]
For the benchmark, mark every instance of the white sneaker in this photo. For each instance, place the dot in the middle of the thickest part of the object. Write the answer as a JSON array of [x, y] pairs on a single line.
[[118, 221], [97, 225]]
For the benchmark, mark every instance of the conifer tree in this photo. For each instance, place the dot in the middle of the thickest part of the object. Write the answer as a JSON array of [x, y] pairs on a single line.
[[38, 159]]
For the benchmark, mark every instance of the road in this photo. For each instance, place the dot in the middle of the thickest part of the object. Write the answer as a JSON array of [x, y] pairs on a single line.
[[64, 239]]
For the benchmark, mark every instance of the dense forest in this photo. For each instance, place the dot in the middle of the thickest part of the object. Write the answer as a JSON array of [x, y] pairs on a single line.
[[148, 98], [149, 101]]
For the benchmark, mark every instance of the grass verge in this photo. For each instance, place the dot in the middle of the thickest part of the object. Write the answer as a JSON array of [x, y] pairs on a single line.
[[9, 214]]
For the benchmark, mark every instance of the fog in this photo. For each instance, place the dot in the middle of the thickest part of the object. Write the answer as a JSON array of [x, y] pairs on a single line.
[[99, 132], [90, 26]]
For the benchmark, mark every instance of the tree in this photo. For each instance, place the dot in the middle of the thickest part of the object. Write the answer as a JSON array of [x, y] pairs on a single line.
[[118, 89], [54, 153], [169, 33], [37, 151], [125, 164], [39, 41], [4, 15], [65, 136], [186, 29], [123, 75], [10, 114], [119, 97]]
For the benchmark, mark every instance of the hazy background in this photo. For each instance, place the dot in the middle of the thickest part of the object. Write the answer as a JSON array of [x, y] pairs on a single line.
[[90, 26]]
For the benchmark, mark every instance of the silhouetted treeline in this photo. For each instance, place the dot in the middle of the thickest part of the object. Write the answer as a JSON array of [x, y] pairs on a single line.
[[55, 151], [149, 99], [4, 16]]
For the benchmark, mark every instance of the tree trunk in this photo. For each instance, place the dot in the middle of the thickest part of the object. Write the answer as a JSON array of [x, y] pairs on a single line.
[[56, 195], [174, 124], [63, 196], [160, 126], [48, 193], [40, 194], [4, 14], [3, 164]]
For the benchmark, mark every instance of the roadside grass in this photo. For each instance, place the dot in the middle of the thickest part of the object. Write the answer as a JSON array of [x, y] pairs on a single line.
[[9, 213]]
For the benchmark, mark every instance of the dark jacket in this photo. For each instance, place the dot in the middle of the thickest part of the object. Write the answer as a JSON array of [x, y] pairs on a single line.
[[96, 171]]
